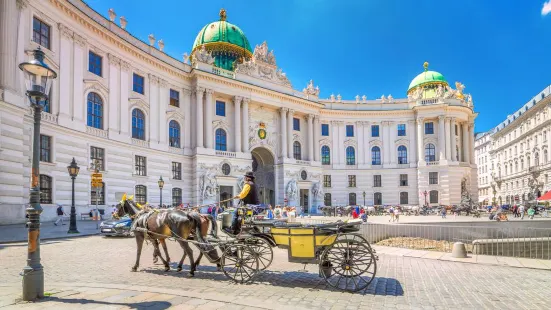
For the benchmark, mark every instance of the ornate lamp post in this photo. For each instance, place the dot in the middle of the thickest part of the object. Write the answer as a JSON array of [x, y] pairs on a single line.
[[161, 185], [38, 80], [73, 169], [364, 197], [425, 194]]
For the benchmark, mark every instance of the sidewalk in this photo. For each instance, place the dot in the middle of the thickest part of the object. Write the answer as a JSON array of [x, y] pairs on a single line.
[[18, 232]]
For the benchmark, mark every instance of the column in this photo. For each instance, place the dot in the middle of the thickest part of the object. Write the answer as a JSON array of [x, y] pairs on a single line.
[[317, 136], [114, 70], [335, 142], [124, 109], [342, 134], [386, 142], [465, 144], [153, 125], [65, 83], [208, 119], [163, 103], [441, 138], [290, 133], [199, 91], [471, 143], [245, 129], [412, 152], [448, 139], [186, 101], [453, 139], [361, 149], [420, 144], [8, 36], [310, 119], [392, 130], [237, 122], [79, 112], [283, 132]]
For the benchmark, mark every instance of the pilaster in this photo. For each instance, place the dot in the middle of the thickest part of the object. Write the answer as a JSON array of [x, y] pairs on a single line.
[[199, 91], [208, 119], [237, 122], [283, 126]]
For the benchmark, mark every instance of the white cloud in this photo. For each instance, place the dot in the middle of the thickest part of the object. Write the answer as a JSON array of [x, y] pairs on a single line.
[[546, 9]]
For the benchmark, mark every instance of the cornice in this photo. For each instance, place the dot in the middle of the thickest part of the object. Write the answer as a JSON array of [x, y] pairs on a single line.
[[522, 136], [522, 118]]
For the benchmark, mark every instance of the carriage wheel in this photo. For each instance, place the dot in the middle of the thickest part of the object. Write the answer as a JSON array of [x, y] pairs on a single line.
[[349, 264], [239, 263], [263, 251]]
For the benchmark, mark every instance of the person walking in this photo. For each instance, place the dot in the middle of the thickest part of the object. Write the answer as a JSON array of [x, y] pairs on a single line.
[[60, 213], [531, 212], [443, 212], [391, 213], [521, 211], [270, 213], [397, 214]]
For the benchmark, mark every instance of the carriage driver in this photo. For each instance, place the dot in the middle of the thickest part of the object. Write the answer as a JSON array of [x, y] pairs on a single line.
[[248, 196]]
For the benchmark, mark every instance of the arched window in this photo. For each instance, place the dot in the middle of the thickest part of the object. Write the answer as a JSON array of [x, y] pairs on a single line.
[[140, 194], [545, 156], [221, 140], [350, 156], [522, 164], [45, 189], [297, 150], [528, 162], [375, 155], [352, 199], [325, 155], [516, 166], [97, 193], [537, 159], [95, 111], [404, 198], [430, 152], [176, 196], [433, 197], [402, 155], [174, 134], [327, 199], [377, 199], [138, 124], [507, 200]]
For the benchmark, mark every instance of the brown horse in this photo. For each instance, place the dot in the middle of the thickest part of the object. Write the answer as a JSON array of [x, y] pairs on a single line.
[[162, 225]]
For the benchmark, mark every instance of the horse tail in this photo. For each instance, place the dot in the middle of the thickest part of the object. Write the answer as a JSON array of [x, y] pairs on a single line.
[[196, 219], [213, 225]]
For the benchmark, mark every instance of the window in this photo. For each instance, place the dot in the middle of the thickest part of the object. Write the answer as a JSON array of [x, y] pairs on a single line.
[[374, 130], [221, 140], [176, 171], [226, 169], [220, 108], [297, 151], [95, 111], [377, 180], [433, 197], [327, 199], [138, 124], [352, 199], [375, 155], [174, 98], [403, 180], [97, 155], [140, 194], [326, 181], [94, 63], [429, 128], [350, 156], [97, 194], [174, 134], [325, 155], [140, 166], [377, 199], [46, 106], [41, 33], [176, 196], [433, 178], [325, 130], [138, 83], [45, 148], [45, 189], [402, 155], [350, 130], [401, 130], [430, 152], [351, 181], [296, 124], [304, 175], [404, 198]]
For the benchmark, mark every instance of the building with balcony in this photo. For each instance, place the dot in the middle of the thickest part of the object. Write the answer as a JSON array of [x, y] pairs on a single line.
[[203, 121]]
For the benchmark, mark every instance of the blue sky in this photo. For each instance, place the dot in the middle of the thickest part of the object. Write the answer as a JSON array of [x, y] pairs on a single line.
[[500, 49]]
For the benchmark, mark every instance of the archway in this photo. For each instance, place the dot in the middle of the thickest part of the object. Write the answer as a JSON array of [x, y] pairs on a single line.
[[263, 168]]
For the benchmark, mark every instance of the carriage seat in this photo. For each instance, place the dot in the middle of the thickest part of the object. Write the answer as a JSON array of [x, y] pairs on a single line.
[[275, 223], [337, 226]]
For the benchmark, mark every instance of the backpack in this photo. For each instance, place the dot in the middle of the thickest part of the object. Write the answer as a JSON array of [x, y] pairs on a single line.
[[59, 211], [209, 210]]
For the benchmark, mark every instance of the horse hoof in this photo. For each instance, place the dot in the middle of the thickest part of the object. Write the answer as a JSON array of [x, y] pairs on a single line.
[[167, 269], [134, 269], [179, 269], [191, 275], [155, 260]]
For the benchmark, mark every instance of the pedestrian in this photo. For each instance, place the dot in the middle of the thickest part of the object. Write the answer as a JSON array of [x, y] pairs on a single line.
[[531, 212], [391, 213], [60, 213], [270, 213], [521, 211], [443, 212], [397, 214]]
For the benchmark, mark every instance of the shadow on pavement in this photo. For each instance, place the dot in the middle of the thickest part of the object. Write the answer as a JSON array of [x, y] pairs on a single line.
[[83, 301]]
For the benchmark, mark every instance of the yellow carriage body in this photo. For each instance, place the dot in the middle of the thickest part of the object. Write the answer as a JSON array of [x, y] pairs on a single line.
[[302, 243]]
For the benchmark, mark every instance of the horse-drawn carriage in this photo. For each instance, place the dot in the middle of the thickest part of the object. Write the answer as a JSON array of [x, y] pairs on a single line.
[[346, 260]]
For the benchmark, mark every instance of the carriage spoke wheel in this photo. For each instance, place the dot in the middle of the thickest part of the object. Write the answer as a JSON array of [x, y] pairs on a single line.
[[263, 251], [239, 263], [348, 264]]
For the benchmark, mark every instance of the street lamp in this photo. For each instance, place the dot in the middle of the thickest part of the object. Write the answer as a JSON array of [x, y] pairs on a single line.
[[161, 184], [73, 169], [38, 80], [364, 198], [425, 193]]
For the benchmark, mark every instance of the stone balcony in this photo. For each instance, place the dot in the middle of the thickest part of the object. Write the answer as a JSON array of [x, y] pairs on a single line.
[[97, 132], [140, 142], [225, 154]]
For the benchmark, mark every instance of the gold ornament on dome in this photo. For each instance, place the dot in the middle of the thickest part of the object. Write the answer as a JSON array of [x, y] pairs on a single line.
[[223, 14]]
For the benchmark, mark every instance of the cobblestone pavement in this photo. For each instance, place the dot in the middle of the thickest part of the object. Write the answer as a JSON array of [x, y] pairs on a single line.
[[18, 232], [96, 271]]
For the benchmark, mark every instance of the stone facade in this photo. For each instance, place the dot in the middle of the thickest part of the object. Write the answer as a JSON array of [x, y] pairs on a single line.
[[263, 121]]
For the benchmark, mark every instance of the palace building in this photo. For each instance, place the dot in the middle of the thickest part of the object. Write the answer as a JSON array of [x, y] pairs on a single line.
[[201, 122]]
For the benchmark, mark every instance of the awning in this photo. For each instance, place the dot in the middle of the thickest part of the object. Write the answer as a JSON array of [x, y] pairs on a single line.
[[546, 196]]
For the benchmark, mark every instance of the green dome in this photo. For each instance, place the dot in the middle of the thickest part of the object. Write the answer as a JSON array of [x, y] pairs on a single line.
[[225, 41], [426, 78]]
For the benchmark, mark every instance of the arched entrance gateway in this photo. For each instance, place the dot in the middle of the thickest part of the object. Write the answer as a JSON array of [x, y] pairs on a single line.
[[263, 168]]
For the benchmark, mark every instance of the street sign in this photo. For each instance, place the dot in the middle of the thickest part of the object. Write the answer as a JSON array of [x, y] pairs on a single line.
[[97, 177], [97, 184]]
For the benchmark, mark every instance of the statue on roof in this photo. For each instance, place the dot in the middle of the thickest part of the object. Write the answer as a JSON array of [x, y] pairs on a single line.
[[311, 90], [390, 99], [459, 90], [261, 53], [440, 91], [202, 55], [383, 99]]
